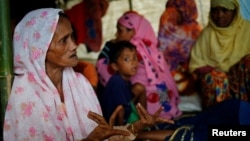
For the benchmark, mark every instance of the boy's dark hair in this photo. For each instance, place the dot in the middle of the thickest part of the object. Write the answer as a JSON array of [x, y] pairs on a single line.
[[117, 49]]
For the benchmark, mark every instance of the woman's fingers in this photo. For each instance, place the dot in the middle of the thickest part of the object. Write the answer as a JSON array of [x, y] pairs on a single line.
[[158, 112], [148, 119], [163, 120], [97, 118], [104, 130], [114, 115], [142, 112]]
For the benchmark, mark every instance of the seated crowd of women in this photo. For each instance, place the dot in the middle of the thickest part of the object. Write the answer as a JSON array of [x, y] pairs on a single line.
[[136, 97]]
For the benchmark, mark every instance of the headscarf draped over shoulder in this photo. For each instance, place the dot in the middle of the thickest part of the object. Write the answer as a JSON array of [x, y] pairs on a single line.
[[145, 41], [141, 25], [187, 9], [229, 4], [34, 110], [178, 31], [222, 47]]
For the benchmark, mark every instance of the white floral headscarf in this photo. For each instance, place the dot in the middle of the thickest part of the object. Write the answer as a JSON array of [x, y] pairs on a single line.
[[34, 110]]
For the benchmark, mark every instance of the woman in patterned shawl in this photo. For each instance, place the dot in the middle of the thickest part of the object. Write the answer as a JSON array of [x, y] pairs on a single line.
[[220, 56], [178, 30], [48, 100]]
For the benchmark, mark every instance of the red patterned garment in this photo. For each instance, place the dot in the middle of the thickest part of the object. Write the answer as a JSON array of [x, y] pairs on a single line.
[[178, 30], [86, 19]]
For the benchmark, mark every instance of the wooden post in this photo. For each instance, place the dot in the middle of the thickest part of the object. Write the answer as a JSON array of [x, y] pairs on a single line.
[[6, 63], [130, 4]]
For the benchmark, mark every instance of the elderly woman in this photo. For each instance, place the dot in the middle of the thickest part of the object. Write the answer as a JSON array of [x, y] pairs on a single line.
[[220, 56], [49, 101]]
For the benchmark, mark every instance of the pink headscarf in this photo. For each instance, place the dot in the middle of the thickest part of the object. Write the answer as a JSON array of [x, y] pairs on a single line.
[[146, 43], [153, 72], [34, 110]]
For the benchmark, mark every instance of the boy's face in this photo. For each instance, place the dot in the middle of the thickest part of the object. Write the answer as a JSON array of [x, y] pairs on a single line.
[[126, 64]]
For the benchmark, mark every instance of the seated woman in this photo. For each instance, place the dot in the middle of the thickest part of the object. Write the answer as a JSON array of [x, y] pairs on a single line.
[[153, 72], [178, 31], [220, 57]]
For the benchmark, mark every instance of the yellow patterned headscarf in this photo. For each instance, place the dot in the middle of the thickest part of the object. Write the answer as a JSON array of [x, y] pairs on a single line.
[[222, 47], [229, 4]]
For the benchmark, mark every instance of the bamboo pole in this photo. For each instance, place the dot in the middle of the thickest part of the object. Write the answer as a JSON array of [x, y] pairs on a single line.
[[130, 4], [6, 64]]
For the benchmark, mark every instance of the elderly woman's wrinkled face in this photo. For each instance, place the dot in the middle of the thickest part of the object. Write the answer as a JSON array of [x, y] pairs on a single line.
[[62, 50], [222, 17]]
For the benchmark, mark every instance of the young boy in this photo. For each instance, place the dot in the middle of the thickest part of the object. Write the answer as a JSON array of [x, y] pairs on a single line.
[[118, 91]]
